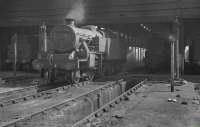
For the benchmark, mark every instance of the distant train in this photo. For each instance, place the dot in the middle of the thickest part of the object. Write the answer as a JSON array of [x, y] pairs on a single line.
[[81, 53]]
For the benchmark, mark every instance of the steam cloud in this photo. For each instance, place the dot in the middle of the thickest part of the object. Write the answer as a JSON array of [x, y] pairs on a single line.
[[77, 11]]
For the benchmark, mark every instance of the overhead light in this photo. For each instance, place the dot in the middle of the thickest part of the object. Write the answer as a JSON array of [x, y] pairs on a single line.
[[121, 34], [172, 38]]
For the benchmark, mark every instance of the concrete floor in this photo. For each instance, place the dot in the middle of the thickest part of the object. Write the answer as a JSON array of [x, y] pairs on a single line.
[[150, 108], [10, 74], [9, 83]]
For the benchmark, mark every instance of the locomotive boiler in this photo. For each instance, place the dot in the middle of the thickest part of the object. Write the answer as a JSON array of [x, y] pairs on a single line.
[[81, 53]]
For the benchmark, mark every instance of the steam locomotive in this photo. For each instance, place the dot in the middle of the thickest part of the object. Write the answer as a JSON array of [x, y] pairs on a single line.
[[81, 53]]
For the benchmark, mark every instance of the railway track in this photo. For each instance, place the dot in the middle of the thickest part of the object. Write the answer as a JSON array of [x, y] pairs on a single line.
[[27, 117], [14, 98], [17, 87], [32, 92], [17, 93], [99, 99], [19, 78], [107, 107], [114, 89]]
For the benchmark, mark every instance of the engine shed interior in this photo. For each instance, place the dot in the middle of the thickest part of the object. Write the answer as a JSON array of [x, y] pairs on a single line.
[[99, 63], [149, 28]]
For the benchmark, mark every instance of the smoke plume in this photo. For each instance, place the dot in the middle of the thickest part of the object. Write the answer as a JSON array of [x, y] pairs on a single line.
[[77, 11]]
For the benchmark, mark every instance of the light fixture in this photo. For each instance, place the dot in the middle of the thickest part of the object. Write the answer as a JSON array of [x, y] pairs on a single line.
[[172, 38]]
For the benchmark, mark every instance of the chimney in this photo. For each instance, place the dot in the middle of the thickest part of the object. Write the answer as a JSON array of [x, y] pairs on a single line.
[[70, 21]]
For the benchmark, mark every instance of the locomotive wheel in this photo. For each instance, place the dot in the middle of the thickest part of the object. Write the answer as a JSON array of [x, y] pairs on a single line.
[[49, 76], [76, 76], [45, 76], [42, 73], [91, 76]]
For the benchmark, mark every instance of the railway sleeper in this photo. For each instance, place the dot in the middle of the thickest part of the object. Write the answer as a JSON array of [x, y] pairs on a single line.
[[106, 109]]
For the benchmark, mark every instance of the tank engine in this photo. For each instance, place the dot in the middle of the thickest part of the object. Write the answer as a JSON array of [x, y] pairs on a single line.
[[81, 52]]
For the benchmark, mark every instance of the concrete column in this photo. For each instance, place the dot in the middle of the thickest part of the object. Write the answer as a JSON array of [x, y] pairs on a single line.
[[139, 54], [14, 41], [172, 65], [142, 54], [44, 37], [136, 54], [134, 51], [182, 48], [177, 58], [179, 47]]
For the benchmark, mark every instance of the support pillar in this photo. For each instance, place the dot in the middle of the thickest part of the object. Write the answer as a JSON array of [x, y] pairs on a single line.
[[179, 47], [172, 65], [177, 36], [139, 54], [177, 56], [44, 37], [134, 51], [182, 48], [14, 41]]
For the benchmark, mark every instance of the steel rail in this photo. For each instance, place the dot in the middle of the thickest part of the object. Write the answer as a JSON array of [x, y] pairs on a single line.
[[14, 123], [13, 92], [39, 94]]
